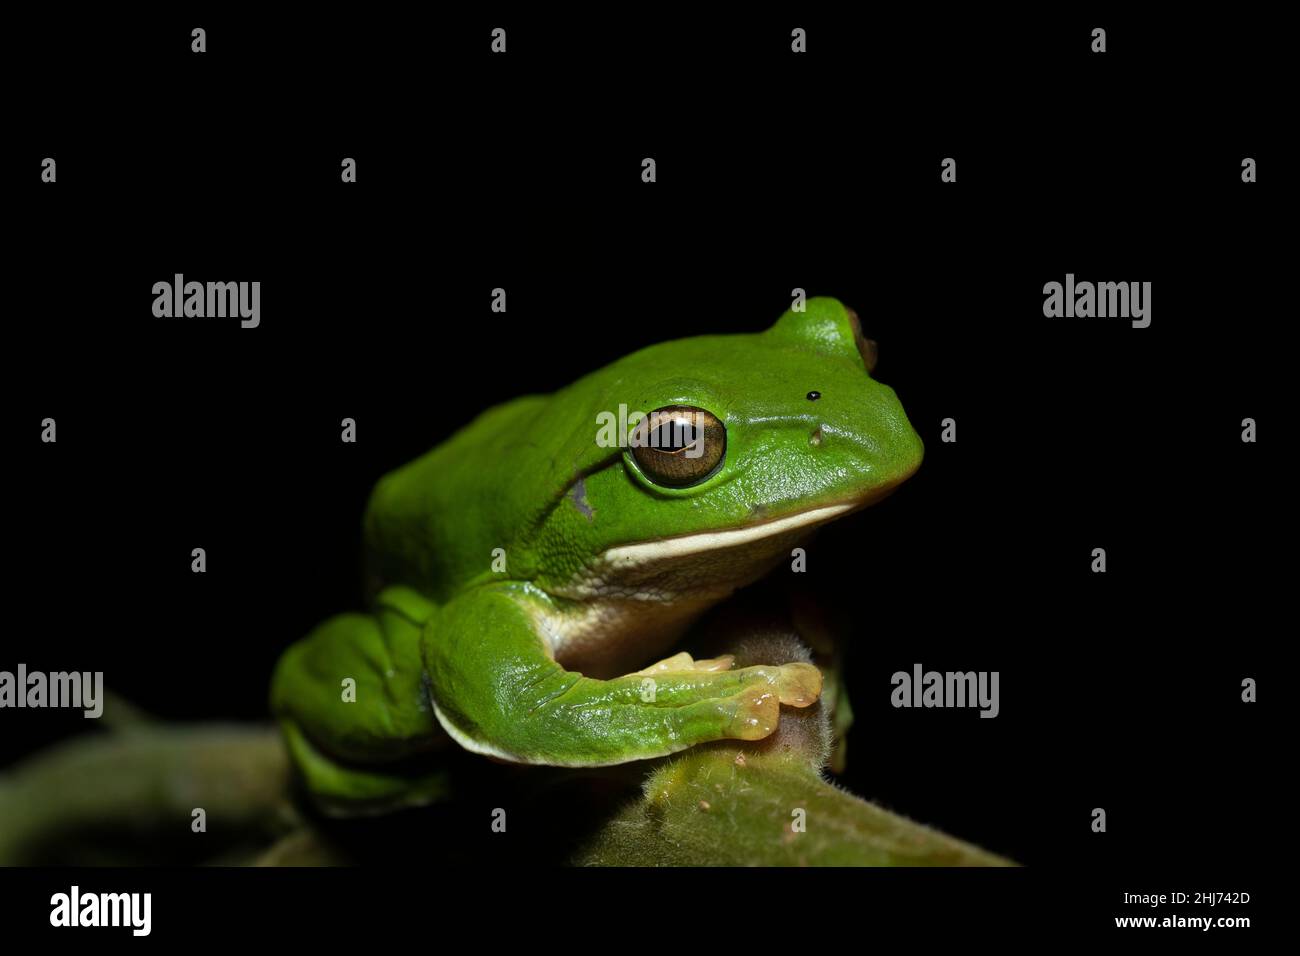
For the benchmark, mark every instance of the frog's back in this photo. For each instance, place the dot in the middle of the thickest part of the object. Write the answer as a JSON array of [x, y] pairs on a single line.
[[434, 523]]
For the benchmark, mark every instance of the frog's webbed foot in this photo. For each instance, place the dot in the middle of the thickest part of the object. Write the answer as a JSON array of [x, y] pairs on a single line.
[[797, 684], [747, 700], [684, 662]]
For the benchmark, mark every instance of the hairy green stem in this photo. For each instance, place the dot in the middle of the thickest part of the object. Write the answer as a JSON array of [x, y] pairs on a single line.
[[726, 806]]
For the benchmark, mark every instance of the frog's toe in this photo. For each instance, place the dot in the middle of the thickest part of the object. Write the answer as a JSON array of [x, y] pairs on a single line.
[[723, 663], [753, 713], [684, 662], [799, 684]]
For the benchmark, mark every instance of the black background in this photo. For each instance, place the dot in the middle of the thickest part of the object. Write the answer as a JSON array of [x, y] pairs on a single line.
[[775, 171]]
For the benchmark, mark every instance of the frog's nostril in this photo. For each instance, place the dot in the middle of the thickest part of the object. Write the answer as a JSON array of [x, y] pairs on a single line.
[[815, 438]]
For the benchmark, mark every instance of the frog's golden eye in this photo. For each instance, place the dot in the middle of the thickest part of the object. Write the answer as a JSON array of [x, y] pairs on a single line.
[[678, 445], [866, 347]]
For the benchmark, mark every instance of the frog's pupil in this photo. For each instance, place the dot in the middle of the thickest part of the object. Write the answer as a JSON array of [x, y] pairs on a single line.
[[667, 437], [813, 396]]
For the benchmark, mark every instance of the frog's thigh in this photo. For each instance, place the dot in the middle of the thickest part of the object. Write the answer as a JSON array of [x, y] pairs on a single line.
[[351, 699], [497, 691]]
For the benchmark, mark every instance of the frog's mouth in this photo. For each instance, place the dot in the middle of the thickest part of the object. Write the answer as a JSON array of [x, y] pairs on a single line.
[[767, 536], [641, 596], [699, 542], [638, 599]]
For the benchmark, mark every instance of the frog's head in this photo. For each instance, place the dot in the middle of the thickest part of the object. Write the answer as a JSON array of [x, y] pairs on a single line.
[[791, 431]]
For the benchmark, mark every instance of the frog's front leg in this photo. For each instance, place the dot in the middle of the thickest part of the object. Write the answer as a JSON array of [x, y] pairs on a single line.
[[498, 691]]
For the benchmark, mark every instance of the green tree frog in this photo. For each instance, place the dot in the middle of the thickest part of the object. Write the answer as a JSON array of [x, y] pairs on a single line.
[[530, 569]]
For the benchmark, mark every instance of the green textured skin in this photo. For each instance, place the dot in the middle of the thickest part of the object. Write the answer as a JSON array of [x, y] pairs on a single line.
[[508, 481]]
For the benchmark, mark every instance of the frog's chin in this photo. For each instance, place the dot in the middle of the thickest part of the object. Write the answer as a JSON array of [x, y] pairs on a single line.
[[636, 600]]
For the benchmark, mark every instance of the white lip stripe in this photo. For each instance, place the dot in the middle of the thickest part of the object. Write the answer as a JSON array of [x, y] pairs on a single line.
[[713, 540]]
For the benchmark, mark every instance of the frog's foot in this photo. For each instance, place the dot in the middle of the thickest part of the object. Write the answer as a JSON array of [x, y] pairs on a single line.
[[340, 789], [684, 662], [800, 684], [750, 713], [674, 683], [796, 684]]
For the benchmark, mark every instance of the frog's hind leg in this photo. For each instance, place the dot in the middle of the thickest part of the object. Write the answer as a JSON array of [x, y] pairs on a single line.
[[353, 702]]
